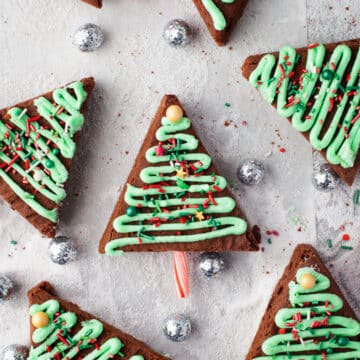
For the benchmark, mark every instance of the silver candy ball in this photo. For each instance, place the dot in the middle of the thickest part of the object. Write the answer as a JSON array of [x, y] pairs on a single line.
[[177, 327], [6, 287], [88, 37], [14, 352], [177, 33], [324, 179], [211, 263], [62, 250], [251, 172]]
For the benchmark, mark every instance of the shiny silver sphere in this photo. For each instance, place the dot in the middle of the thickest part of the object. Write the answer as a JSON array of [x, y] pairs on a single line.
[[88, 37], [62, 250], [177, 33], [177, 327]]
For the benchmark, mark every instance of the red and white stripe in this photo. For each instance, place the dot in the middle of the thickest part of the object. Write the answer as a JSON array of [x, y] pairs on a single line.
[[181, 270]]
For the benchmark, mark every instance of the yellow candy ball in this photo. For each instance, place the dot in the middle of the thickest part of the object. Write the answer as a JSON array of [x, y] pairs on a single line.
[[307, 281], [174, 113], [40, 319]]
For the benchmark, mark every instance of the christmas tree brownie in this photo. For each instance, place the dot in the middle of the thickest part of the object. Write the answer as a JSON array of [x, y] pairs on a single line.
[[61, 330], [220, 17], [308, 317], [96, 3], [174, 199], [38, 141], [317, 89]]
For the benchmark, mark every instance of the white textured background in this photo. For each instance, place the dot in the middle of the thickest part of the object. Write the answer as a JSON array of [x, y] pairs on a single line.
[[133, 70]]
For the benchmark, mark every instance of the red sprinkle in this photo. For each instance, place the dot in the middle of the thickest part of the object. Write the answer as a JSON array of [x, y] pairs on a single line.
[[313, 45], [283, 75], [282, 150], [346, 237]]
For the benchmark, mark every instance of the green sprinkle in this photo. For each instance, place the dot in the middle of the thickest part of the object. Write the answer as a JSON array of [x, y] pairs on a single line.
[[84, 347], [297, 58], [342, 89], [182, 184], [27, 155], [227, 104], [269, 241], [356, 197], [329, 243], [344, 247], [148, 237], [13, 242]]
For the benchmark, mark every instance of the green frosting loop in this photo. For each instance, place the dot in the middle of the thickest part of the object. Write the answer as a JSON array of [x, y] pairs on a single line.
[[324, 100], [310, 326], [56, 340], [216, 14], [31, 146], [168, 195]]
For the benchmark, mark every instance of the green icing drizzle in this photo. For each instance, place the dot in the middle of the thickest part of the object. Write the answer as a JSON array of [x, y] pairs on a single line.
[[26, 147], [310, 326], [158, 195], [217, 16], [57, 341], [325, 93]]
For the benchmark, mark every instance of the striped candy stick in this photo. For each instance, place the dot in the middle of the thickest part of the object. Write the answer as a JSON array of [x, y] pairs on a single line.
[[181, 270]]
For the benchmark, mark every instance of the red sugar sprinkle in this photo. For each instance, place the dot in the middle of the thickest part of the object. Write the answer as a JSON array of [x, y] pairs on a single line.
[[282, 331], [283, 75], [313, 45], [346, 237], [282, 150]]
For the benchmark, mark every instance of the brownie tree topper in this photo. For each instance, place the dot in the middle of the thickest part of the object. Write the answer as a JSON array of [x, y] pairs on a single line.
[[96, 3], [60, 330], [308, 317], [221, 16], [318, 90], [37, 143], [174, 198], [311, 324]]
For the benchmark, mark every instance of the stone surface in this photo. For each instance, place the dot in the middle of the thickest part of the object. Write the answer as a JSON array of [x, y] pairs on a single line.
[[133, 69]]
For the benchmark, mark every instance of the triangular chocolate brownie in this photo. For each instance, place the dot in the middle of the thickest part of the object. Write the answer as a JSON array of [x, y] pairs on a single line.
[[96, 3], [317, 89], [221, 16], [61, 330], [308, 317], [174, 199], [38, 141]]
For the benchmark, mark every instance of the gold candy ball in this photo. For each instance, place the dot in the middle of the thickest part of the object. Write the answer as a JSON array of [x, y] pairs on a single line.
[[40, 319], [174, 113], [307, 281]]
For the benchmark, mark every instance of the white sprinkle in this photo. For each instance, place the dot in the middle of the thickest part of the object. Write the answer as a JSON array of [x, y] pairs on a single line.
[[22, 113], [37, 176], [32, 166]]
